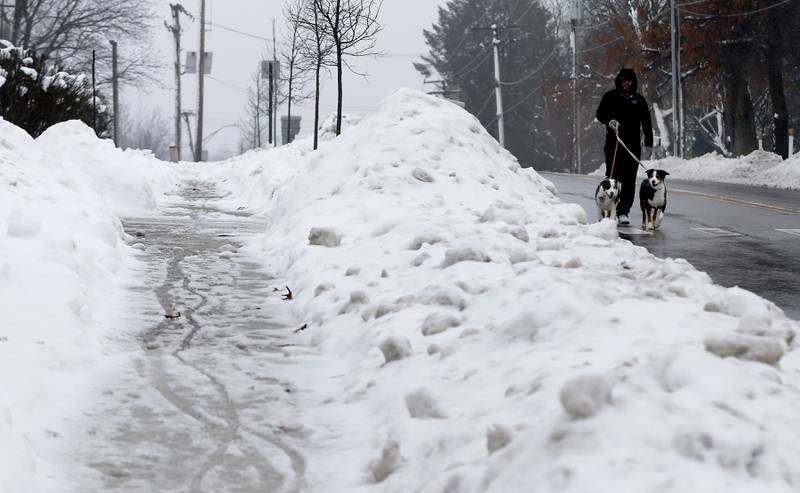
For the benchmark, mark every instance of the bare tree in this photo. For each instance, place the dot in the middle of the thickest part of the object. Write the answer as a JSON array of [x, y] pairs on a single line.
[[316, 47], [148, 131], [255, 123], [66, 31], [292, 58], [352, 26]]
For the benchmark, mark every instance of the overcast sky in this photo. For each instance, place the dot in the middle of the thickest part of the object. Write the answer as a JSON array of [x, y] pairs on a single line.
[[236, 59]]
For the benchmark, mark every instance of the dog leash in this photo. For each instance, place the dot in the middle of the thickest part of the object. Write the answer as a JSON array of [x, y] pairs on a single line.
[[614, 161], [619, 141]]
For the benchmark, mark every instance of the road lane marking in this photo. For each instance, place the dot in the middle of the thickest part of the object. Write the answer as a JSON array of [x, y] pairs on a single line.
[[795, 232], [717, 232], [775, 208]]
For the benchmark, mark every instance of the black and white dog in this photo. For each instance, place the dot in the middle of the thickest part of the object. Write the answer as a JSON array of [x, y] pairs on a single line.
[[653, 198], [607, 197]]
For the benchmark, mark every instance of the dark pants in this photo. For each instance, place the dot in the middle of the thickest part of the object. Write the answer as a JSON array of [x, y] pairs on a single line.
[[624, 173]]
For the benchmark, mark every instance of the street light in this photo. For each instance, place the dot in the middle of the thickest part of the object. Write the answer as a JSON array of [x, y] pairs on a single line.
[[215, 132]]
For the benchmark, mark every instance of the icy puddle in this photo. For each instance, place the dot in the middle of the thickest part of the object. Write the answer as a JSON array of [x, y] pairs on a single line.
[[198, 410]]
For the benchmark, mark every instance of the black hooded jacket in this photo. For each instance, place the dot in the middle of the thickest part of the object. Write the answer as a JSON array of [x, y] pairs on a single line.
[[630, 110]]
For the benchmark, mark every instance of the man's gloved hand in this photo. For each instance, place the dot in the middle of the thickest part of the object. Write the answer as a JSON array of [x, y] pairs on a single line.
[[613, 124], [647, 153]]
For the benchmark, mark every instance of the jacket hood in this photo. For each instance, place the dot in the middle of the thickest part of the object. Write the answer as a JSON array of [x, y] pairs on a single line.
[[626, 74]]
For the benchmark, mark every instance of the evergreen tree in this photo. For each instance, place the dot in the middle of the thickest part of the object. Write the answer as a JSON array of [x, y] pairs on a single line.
[[34, 97], [537, 133]]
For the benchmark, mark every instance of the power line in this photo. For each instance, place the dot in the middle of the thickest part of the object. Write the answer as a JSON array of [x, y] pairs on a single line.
[[600, 46], [467, 69], [249, 35], [226, 83], [740, 14], [600, 24], [695, 2], [519, 103], [536, 71], [466, 35], [485, 103], [527, 97]]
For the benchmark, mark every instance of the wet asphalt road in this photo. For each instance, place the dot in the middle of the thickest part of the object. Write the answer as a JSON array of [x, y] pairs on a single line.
[[202, 407], [756, 243]]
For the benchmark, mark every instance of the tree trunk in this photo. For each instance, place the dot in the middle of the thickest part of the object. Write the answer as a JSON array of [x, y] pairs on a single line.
[[316, 105], [289, 111], [20, 11], [745, 130], [319, 60], [339, 86], [336, 32], [773, 54], [739, 112]]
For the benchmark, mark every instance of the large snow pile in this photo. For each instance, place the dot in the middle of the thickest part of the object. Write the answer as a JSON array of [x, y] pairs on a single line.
[[478, 335], [63, 267]]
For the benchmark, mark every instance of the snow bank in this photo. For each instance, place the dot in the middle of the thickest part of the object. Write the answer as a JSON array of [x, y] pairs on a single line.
[[63, 267], [478, 335], [759, 168]]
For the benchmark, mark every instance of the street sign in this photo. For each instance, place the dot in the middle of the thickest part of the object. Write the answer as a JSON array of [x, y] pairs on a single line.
[[276, 69], [191, 62]]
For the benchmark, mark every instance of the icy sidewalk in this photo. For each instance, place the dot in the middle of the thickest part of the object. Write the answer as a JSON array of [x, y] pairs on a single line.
[[205, 404]]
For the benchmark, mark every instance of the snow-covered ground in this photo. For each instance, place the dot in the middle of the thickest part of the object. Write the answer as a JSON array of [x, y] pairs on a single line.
[[466, 329], [64, 268], [759, 168]]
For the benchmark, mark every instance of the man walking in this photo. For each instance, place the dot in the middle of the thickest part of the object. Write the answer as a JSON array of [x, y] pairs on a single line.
[[625, 113]]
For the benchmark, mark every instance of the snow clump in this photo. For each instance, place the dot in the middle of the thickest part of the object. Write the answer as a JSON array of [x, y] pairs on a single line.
[[584, 396], [324, 237]]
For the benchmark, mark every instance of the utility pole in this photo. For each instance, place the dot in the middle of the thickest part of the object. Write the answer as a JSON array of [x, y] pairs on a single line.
[[576, 109], [94, 91], [175, 29], [198, 155], [258, 113], [275, 92], [677, 116], [270, 111], [498, 92], [115, 81]]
